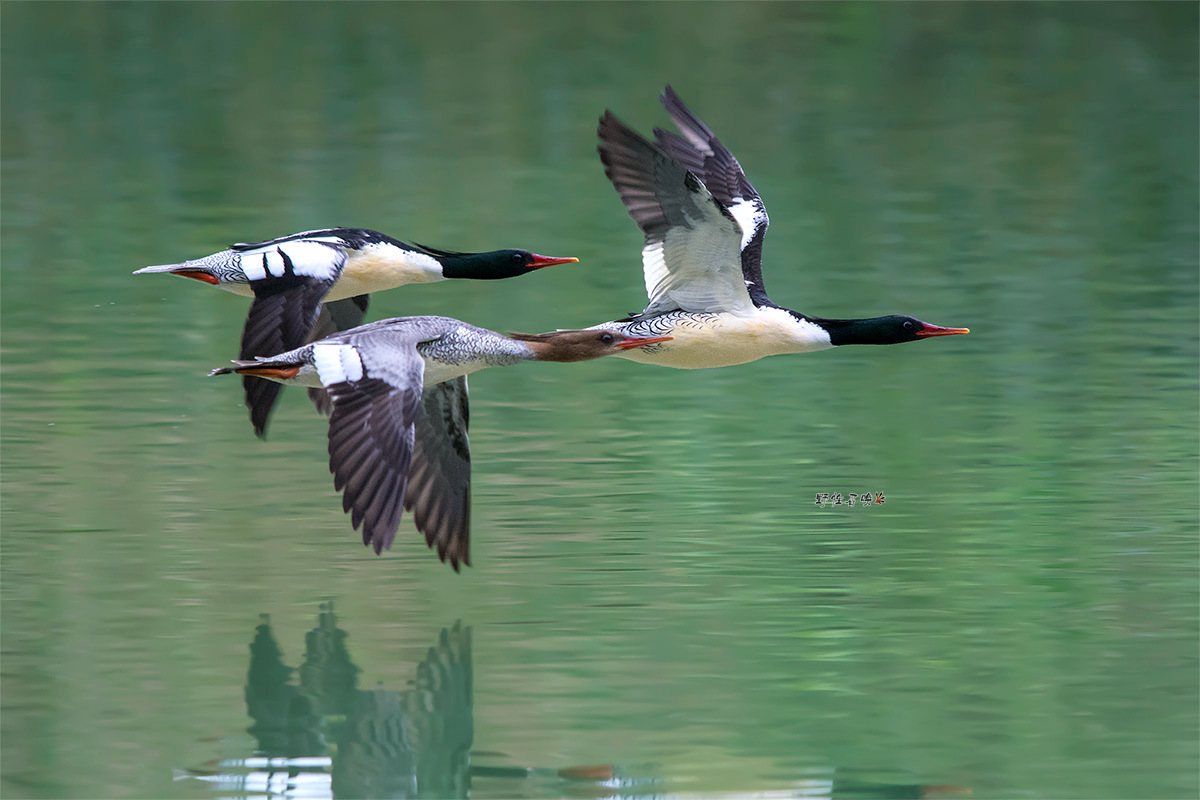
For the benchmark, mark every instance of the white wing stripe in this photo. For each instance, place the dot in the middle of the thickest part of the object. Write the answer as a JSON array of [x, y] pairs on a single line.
[[749, 215], [337, 363], [312, 259], [273, 263], [252, 266]]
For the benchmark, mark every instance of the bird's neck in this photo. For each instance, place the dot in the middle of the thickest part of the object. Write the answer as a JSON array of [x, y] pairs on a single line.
[[542, 350], [853, 331], [500, 350], [467, 350]]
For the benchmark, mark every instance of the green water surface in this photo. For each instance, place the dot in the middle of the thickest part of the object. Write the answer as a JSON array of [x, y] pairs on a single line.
[[653, 585]]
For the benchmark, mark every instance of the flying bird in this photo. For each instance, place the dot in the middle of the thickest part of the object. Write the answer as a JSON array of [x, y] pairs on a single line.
[[704, 226], [398, 420], [290, 278]]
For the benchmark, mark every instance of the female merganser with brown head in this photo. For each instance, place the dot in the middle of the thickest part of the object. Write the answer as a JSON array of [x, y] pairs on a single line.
[[398, 424], [290, 277], [704, 226]]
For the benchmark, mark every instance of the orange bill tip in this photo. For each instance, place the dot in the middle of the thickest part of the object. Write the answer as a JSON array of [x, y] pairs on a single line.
[[934, 330], [549, 261]]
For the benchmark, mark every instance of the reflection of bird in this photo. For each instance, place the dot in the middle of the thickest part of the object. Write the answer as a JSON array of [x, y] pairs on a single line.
[[398, 427], [704, 226], [290, 277], [328, 674], [285, 722], [415, 743]]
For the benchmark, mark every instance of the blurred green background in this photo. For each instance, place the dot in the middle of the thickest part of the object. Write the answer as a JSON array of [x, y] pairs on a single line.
[[653, 584]]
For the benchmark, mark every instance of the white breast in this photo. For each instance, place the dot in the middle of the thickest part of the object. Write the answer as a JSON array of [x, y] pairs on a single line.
[[380, 266], [703, 341]]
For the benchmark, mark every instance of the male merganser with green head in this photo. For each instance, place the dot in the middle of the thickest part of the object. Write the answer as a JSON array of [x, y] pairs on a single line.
[[704, 226], [292, 276]]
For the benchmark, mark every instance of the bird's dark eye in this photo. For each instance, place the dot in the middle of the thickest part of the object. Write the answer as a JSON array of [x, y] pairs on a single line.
[[908, 326], [607, 338], [518, 258]]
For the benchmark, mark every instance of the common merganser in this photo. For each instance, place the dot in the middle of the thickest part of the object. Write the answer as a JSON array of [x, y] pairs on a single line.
[[290, 277], [704, 226], [393, 446]]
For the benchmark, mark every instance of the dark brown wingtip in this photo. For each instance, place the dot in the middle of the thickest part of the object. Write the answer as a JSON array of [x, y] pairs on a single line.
[[260, 396]]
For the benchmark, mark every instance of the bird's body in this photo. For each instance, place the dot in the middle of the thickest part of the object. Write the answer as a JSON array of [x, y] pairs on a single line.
[[706, 339], [399, 412], [352, 261], [704, 226], [290, 278], [448, 349]]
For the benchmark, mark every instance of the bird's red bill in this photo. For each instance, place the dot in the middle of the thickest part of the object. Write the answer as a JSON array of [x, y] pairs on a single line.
[[629, 344], [200, 276], [549, 261], [934, 330]]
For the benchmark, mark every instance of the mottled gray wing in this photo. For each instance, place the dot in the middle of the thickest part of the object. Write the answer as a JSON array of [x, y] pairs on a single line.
[[439, 488], [692, 255], [340, 315], [371, 443], [699, 150]]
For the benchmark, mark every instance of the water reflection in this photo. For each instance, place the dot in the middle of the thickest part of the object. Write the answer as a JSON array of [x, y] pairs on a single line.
[[317, 734]]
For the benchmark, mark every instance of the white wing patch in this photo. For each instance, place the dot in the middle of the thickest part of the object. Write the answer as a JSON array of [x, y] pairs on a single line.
[[252, 266], [310, 259], [697, 266], [750, 216], [654, 268], [337, 363]]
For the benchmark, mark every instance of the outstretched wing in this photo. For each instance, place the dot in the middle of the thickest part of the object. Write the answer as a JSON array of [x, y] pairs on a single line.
[[692, 256], [371, 432], [439, 487], [335, 317], [699, 150], [289, 279]]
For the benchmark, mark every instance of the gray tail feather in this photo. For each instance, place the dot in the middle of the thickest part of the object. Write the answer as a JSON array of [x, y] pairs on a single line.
[[258, 361], [162, 268]]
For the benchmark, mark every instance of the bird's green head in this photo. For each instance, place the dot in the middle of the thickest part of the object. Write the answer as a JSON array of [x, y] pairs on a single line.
[[892, 329], [492, 265]]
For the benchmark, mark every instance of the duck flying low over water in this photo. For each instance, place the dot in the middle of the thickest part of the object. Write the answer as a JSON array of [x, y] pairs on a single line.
[[702, 261], [292, 276], [398, 423]]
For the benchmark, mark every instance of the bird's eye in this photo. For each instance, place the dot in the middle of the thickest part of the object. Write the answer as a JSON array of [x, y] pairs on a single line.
[[908, 326], [518, 258], [607, 338]]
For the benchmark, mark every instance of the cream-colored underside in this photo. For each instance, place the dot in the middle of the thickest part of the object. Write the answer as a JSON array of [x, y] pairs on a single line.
[[237, 288], [722, 340], [376, 268]]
